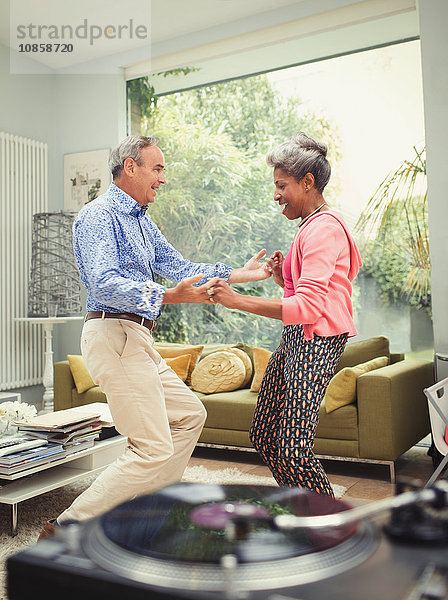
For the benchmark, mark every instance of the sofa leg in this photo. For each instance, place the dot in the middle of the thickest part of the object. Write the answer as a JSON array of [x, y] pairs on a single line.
[[371, 461], [392, 471]]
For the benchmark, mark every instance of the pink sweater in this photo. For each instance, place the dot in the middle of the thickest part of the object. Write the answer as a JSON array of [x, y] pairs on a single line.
[[324, 262]]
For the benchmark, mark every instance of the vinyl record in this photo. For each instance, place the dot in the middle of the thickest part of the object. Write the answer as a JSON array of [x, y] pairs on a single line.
[[202, 523]]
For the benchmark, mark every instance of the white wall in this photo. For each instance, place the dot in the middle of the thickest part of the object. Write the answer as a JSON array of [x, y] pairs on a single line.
[[71, 113], [90, 114], [26, 109], [434, 44], [26, 102]]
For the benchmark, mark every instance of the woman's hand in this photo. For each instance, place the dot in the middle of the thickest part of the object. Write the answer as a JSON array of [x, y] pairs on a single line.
[[223, 293], [253, 270], [275, 265], [266, 307]]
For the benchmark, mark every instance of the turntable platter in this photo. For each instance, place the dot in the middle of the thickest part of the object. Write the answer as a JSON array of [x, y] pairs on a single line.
[[179, 536]]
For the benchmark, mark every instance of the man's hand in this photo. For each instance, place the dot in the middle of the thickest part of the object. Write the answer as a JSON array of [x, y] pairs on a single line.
[[275, 265], [185, 291], [253, 270]]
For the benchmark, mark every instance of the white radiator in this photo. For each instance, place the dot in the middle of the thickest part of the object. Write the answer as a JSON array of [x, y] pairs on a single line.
[[23, 181]]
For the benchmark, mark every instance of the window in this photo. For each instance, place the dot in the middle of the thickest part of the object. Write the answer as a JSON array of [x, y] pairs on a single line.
[[218, 202]]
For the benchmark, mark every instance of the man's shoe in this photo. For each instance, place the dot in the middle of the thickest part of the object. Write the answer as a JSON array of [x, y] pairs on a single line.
[[48, 530]]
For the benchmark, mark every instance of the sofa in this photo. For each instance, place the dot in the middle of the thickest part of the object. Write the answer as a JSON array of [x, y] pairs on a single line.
[[387, 417]]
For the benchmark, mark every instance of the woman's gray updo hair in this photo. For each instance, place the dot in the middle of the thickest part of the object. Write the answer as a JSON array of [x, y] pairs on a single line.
[[130, 147], [301, 155]]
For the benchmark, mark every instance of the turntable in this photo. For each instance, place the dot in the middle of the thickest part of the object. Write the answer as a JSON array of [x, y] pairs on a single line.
[[235, 542]]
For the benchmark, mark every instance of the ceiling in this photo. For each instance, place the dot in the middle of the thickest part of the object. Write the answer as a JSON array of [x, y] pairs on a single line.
[[188, 32], [166, 19], [175, 18]]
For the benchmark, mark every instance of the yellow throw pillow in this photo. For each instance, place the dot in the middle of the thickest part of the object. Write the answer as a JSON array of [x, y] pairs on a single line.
[[261, 359], [80, 374], [246, 361], [219, 372], [241, 354], [342, 387], [180, 365], [173, 351]]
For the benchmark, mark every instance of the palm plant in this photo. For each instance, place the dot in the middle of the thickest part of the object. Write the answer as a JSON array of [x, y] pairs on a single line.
[[396, 219]]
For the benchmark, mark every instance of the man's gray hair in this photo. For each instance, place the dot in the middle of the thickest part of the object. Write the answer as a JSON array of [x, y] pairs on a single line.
[[301, 155], [130, 147]]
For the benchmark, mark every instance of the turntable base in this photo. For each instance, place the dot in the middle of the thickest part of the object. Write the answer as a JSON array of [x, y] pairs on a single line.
[[196, 541]]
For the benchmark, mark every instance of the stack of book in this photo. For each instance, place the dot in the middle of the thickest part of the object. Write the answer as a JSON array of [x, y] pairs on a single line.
[[72, 429], [17, 443], [23, 460], [50, 437]]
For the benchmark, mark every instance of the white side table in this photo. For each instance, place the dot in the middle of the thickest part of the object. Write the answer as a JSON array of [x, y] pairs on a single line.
[[10, 397], [47, 380], [53, 475]]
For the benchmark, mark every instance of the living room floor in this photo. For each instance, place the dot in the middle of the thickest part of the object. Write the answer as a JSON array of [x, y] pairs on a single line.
[[364, 482]]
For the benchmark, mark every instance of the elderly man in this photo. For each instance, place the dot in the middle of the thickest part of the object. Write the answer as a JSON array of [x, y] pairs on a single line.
[[118, 249]]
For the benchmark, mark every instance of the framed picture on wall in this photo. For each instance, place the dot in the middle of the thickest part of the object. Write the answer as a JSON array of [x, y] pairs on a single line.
[[86, 176]]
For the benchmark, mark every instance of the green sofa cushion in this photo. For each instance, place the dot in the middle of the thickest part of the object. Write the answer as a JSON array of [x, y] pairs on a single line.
[[364, 350], [229, 410], [336, 447], [225, 437], [93, 395], [341, 424]]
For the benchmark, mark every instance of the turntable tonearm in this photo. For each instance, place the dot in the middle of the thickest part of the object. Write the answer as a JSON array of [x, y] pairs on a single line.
[[233, 542]]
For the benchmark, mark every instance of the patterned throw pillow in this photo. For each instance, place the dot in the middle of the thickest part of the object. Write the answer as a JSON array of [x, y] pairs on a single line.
[[219, 372], [261, 359], [342, 387], [241, 354]]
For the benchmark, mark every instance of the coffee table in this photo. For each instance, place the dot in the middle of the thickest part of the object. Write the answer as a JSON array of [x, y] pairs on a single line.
[[44, 478]]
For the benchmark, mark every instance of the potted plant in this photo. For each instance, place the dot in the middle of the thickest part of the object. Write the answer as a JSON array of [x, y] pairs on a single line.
[[395, 223]]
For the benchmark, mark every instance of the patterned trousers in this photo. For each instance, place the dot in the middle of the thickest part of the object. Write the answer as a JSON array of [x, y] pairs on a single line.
[[287, 411]]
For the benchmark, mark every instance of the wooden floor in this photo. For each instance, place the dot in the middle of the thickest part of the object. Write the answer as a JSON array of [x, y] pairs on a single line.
[[364, 482]]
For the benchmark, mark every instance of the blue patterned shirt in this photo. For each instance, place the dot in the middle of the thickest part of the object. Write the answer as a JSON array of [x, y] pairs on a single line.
[[118, 249]]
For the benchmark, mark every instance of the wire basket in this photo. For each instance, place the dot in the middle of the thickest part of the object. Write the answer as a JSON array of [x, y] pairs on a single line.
[[55, 287]]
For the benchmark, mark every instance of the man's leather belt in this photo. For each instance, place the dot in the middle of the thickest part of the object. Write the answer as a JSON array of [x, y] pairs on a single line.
[[100, 314]]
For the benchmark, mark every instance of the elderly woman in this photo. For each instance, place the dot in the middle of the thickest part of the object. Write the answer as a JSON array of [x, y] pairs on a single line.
[[316, 310]]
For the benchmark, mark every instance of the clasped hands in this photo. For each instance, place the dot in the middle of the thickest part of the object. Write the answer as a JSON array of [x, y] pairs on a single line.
[[275, 265], [218, 290]]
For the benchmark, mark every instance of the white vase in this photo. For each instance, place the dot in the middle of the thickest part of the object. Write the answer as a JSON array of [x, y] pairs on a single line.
[[7, 428]]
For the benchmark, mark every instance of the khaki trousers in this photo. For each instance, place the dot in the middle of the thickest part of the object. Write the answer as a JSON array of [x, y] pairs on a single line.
[[158, 413]]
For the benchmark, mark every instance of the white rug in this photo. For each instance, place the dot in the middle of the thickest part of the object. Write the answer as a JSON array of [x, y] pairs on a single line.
[[234, 475], [33, 513]]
